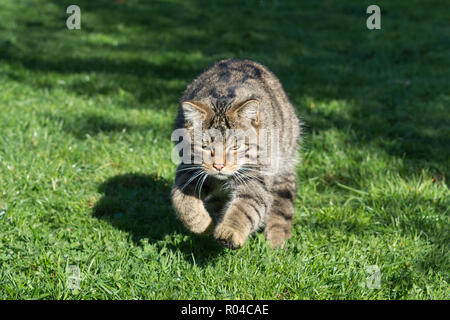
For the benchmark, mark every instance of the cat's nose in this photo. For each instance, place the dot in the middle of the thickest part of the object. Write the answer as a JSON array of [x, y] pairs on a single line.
[[218, 166]]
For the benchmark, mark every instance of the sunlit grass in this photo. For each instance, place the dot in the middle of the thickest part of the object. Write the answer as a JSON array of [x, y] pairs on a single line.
[[85, 150]]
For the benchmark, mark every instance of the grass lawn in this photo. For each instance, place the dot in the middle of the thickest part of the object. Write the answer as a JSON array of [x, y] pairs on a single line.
[[85, 151]]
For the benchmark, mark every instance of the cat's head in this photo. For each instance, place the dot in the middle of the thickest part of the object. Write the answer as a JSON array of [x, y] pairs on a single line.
[[225, 137]]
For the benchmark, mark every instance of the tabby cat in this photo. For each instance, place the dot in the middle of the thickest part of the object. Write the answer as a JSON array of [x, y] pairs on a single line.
[[224, 186]]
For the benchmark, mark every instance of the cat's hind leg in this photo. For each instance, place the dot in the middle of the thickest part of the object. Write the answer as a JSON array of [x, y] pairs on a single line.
[[279, 220]]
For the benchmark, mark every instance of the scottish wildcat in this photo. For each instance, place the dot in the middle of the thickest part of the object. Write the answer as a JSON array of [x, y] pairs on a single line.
[[224, 185]]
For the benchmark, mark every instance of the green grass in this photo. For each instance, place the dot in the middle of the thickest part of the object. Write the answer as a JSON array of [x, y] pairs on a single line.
[[85, 169]]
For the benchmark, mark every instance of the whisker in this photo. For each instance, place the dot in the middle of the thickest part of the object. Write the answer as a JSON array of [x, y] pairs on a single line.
[[196, 175], [188, 169], [198, 181], [201, 185], [240, 177], [248, 169], [251, 176]]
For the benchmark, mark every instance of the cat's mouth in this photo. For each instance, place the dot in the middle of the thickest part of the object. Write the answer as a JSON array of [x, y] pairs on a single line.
[[221, 175]]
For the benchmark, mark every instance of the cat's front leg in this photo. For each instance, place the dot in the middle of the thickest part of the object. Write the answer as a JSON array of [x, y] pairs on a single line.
[[244, 214], [189, 208]]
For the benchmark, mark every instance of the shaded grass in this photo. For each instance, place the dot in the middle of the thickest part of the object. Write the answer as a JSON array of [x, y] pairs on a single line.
[[85, 167]]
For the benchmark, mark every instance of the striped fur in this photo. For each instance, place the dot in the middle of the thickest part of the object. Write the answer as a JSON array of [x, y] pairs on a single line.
[[238, 94]]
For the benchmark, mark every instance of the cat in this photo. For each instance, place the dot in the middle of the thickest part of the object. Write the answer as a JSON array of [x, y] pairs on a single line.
[[217, 194]]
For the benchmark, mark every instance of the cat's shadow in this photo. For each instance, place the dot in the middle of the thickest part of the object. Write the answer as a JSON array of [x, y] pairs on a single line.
[[140, 205]]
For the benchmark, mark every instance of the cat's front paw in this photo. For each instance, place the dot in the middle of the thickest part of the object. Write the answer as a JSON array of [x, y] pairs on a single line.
[[203, 227], [229, 237]]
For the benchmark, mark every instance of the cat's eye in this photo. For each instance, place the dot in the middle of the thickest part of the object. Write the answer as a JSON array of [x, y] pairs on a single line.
[[206, 145], [235, 147]]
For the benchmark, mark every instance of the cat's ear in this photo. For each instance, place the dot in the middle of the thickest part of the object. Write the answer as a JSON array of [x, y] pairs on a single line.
[[194, 112], [248, 110]]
